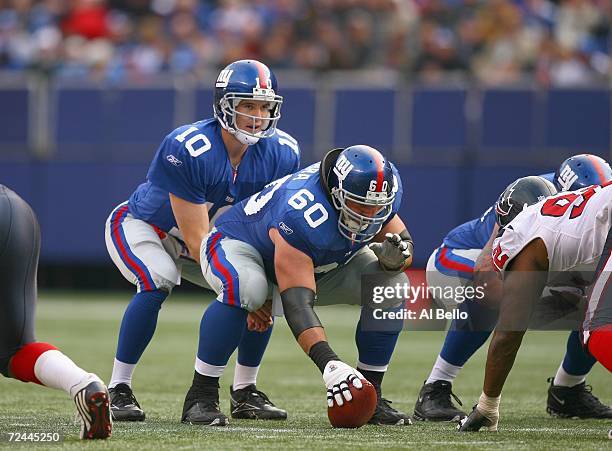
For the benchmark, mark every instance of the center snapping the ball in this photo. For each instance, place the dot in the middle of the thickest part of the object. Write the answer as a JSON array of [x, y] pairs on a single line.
[[357, 412]]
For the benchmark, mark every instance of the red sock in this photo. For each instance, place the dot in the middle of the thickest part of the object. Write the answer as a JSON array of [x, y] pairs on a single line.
[[600, 346], [22, 363]]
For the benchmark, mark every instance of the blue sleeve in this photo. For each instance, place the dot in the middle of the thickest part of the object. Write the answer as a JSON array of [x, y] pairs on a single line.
[[176, 171], [291, 228]]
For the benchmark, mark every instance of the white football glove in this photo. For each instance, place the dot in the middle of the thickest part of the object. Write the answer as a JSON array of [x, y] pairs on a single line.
[[393, 253], [337, 376]]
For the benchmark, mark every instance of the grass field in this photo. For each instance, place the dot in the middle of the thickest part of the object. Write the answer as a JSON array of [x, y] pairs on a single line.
[[85, 327]]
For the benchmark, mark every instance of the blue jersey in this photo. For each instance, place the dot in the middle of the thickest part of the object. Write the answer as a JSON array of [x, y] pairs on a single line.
[[474, 234], [192, 163], [301, 210]]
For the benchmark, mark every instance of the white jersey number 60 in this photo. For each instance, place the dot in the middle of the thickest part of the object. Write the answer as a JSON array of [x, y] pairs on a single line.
[[300, 199]]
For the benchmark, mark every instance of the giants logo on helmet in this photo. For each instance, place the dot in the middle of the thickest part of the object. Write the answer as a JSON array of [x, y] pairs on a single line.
[[566, 178], [224, 78], [342, 168]]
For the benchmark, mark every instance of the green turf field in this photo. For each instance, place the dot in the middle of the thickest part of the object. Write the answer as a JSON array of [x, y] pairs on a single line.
[[85, 327]]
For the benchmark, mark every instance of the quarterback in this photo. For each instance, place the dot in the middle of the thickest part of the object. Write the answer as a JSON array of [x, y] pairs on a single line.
[[199, 171]]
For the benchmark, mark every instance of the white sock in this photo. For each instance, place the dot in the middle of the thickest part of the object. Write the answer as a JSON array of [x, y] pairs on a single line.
[[56, 370], [206, 369], [564, 379], [365, 366], [244, 375], [122, 374], [443, 371]]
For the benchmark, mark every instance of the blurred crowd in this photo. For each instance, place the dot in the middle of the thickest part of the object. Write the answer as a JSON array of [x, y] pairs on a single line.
[[557, 42]]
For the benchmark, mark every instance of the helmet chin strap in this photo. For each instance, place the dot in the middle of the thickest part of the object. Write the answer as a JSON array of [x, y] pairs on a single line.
[[244, 138]]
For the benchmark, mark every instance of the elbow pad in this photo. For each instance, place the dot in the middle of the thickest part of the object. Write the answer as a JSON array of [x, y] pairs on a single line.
[[298, 306]]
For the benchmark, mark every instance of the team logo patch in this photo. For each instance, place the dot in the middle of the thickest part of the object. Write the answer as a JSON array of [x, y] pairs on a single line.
[[566, 178], [173, 160], [285, 228]]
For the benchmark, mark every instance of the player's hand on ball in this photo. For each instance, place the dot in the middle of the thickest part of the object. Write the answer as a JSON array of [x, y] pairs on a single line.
[[393, 253], [260, 320], [477, 420], [337, 376]]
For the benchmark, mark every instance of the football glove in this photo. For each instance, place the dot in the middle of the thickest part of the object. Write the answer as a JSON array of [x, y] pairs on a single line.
[[394, 254], [485, 415], [337, 376]]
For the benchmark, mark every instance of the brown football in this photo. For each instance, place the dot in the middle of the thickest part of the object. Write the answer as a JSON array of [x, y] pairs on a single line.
[[357, 412]]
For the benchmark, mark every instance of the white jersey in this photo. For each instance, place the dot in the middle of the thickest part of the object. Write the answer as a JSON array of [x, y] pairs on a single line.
[[573, 227]]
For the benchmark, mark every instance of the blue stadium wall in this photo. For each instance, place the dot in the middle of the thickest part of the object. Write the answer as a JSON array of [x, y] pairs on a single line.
[[456, 147]]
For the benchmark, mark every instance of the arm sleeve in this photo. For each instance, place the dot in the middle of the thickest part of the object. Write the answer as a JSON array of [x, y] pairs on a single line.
[[176, 171]]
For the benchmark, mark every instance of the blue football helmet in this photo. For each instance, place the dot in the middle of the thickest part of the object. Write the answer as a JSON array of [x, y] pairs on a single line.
[[246, 79], [582, 170], [362, 188]]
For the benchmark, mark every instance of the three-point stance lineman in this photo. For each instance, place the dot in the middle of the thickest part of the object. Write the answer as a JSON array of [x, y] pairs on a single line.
[[457, 262], [21, 356], [308, 232], [559, 239], [154, 238]]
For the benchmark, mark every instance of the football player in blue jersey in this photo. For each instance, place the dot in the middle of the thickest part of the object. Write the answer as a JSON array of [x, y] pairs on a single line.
[[154, 238], [314, 235], [455, 263]]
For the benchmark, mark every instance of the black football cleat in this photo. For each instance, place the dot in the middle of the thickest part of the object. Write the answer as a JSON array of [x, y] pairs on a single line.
[[475, 422], [202, 408], [93, 406], [575, 402], [385, 415], [248, 403], [435, 404], [124, 406]]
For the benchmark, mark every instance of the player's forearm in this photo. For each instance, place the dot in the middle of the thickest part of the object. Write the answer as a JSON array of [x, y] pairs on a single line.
[[310, 337], [500, 359], [304, 323]]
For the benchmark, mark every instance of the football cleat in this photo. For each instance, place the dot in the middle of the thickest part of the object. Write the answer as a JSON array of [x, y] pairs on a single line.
[[251, 404], [93, 407], [575, 402], [476, 421], [385, 415], [203, 409], [124, 406], [435, 404]]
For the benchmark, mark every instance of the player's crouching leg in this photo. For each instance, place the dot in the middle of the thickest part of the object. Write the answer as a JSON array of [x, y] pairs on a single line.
[[235, 272], [44, 364], [379, 325]]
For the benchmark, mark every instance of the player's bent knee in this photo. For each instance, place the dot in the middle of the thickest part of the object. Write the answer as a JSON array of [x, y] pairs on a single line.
[[253, 291]]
